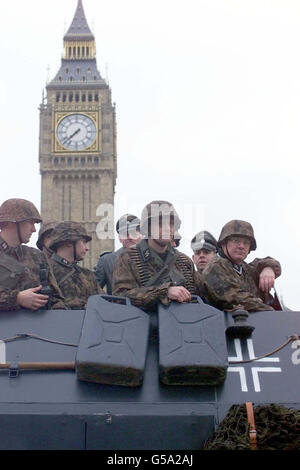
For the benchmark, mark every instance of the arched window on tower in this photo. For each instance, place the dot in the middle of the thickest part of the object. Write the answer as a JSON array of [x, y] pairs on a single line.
[[87, 51]]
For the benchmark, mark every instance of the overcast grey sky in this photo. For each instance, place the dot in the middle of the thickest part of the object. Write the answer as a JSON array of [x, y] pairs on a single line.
[[208, 109]]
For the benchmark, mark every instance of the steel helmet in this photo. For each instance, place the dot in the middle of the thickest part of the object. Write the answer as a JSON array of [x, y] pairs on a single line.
[[45, 230], [68, 232], [156, 209], [237, 227], [19, 210]]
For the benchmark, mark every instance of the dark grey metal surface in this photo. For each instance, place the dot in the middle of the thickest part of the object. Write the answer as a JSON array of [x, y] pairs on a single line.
[[54, 410]]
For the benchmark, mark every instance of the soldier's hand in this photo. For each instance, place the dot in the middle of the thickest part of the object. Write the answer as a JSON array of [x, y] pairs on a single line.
[[29, 298], [266, 279], [179, 293]]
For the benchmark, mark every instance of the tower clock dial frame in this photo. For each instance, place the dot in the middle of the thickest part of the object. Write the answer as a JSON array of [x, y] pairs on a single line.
[[76, 132]]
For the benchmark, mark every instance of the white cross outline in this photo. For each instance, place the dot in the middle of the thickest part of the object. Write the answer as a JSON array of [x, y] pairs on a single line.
[[2, 352], [254, 370]]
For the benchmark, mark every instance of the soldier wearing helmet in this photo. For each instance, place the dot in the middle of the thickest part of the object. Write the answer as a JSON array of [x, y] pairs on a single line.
[[26, 281], [44, 238], [204, 246], [231, 283], [154, 271], [69, 245], [128, 229]]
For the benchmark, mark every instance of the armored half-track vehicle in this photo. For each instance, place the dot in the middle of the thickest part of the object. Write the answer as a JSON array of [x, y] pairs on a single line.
[[114, 377]]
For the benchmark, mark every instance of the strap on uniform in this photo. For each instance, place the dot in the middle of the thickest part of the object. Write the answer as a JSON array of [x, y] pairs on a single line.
[[64, 278], [251, 421], [141, 254], [72, 267], [144, 255]]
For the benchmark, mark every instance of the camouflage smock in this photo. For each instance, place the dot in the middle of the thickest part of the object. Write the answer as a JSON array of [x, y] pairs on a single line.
[[133, 275], [228, 289], [20, 270], [77, 284]]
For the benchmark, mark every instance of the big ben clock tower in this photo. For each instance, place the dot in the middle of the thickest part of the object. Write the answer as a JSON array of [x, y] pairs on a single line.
[[78, 160]]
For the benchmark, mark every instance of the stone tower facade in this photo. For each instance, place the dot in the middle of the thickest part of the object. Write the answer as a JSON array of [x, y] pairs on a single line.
[[77, 151]]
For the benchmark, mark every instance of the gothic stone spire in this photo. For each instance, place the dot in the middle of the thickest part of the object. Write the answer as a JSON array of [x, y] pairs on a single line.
[[79, 29]]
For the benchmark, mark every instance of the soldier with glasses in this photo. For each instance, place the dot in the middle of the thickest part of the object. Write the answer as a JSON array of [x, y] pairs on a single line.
[[232, 284]]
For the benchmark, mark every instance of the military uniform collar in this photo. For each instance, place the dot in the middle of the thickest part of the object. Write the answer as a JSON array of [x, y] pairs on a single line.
[[149, 254], [65, 262], [11, 250], [237, 267]]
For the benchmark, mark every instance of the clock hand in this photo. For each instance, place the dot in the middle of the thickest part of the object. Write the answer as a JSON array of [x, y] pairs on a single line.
[[71, 136]]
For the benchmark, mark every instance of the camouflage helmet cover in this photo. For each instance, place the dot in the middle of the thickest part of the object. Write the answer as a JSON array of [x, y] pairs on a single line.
[[19, 210], [68, 232], [237, 227], [46, 229], [158, 209], [204, 240]]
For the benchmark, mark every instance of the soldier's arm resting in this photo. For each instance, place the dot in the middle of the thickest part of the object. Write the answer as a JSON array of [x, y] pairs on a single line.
[[259, 264], [125, 284], [32, 299], [9, 300], [266, 271], [179, 294], [223, 291]]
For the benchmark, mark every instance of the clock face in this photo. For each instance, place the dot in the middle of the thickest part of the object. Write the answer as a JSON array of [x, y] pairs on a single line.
[[76, 132]]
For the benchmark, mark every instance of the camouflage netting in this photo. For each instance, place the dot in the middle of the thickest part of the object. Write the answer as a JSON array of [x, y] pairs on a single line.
[[277, 428]]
